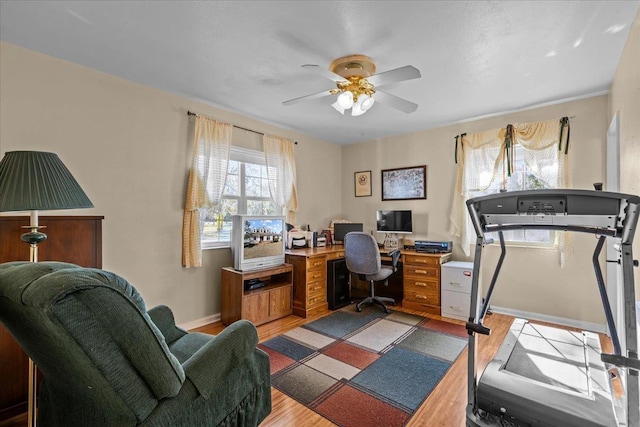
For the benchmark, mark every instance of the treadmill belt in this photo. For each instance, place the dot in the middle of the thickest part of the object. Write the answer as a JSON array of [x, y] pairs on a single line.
[[551, 356], [544, 376]]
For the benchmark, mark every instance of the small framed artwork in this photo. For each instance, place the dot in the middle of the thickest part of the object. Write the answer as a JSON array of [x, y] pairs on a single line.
[[404, 183], [362, 182]]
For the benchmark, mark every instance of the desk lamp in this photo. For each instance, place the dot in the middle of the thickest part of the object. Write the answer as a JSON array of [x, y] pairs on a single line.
[[35, 181]]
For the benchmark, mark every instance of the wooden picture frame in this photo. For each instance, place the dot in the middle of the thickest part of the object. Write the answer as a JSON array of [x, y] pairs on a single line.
[[404, 183], [362, 183]]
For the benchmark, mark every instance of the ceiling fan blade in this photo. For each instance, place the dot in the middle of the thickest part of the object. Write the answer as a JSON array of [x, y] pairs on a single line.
[[324, 73], [408, 72], [308, 97], [395, 102]]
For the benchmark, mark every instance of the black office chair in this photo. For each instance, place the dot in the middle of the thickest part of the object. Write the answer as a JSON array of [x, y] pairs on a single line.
[[363, 258]]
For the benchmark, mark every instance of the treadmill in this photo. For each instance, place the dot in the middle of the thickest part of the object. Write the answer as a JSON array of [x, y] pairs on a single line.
[[545, 376]]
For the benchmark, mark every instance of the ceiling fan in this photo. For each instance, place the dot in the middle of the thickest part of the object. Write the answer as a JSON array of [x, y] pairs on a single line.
[[356, 84]]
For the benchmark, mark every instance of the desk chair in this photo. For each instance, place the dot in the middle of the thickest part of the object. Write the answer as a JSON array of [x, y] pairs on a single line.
[[363, 258]]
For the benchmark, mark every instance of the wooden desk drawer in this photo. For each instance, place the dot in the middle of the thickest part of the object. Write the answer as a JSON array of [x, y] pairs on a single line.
[[422, 290], [422, 272], [425, 296], [421, 286], [421, 260], [335, 255], [317, 263], [316, 300], [316, 275], [315, 288]]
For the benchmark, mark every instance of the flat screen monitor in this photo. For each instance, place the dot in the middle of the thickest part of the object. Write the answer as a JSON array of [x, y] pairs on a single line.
[[340, 229], [394, 222]]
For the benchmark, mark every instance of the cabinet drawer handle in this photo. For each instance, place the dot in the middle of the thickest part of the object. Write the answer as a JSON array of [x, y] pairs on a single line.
[[315, 264], [457, 308], [316, 276], [421, 271], [424, 285], [421, 297], [315, 288], [455, 284]]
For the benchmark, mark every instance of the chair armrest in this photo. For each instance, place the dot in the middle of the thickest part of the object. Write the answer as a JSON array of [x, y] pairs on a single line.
[[162, 317], [395, 256], [208, 366]]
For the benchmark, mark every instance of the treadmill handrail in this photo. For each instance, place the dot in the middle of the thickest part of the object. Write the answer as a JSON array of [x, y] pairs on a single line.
[[586, 211]]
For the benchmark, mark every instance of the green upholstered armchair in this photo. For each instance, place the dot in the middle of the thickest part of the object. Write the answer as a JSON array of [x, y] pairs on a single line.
[[107, 361]]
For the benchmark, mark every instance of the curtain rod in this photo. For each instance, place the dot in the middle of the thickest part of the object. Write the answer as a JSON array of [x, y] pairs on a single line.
[[189, 113]]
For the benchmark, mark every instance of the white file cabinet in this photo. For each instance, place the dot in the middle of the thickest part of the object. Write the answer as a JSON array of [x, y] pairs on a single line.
[[455, 288]]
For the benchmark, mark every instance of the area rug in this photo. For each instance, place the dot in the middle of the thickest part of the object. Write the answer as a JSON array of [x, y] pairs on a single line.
[[364, 369]]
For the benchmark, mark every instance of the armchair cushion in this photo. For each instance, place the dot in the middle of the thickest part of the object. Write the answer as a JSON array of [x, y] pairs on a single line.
[[107, 361]]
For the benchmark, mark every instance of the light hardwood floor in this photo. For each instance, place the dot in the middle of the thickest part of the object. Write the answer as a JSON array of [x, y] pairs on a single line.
[[445, 406]]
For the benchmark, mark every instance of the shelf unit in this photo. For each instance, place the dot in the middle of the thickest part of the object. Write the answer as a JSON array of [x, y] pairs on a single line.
[[261, 305]]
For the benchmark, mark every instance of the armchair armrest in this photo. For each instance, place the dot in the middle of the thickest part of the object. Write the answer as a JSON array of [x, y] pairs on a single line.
[[395, 256], [208, 367], [162, 317]]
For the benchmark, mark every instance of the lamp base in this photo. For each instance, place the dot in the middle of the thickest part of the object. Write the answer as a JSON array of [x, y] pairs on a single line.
[[33, 237]]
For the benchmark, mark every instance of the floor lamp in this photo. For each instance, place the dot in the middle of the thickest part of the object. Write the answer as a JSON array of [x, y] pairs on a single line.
[[35, 181]]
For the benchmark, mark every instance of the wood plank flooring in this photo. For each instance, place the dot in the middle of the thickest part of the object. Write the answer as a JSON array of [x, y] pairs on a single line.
[[445, 406]]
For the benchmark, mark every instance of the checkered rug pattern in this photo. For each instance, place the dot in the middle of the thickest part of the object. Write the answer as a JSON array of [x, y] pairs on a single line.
[[364, 369]]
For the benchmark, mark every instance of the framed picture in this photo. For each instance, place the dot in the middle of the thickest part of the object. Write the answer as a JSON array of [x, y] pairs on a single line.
[[362, 182], [404, 183]]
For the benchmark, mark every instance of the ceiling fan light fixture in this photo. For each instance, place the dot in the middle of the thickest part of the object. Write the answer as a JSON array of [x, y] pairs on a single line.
[[357, 110], [339, 108], [345, 99], [366, 101]]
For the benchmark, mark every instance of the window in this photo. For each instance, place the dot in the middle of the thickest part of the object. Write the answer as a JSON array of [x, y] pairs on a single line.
[[246, 191], [526, 175]]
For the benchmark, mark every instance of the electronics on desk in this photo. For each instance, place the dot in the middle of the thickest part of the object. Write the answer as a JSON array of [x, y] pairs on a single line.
[[305, 239], [394, 222], [428, 246], [340, 229], [254, 284]]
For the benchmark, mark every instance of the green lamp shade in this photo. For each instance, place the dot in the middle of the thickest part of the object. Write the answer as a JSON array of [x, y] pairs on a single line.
[[35, 180]]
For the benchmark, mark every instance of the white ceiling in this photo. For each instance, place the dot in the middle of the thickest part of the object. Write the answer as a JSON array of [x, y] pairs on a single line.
[[477, 58]]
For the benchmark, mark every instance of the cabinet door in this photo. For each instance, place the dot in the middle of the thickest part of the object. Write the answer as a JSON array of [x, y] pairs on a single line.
[[255, 307], [280, 302]]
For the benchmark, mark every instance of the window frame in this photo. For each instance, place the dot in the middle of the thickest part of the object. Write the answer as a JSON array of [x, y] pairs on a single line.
[[242, 156], [551, 243]]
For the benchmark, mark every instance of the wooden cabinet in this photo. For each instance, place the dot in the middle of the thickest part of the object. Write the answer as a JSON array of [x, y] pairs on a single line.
[[309, 281], [268, 302], [75, 239], [421, 276]]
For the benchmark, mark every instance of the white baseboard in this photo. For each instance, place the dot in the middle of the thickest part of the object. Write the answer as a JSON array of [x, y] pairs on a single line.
[[587, 326], [200, 322]]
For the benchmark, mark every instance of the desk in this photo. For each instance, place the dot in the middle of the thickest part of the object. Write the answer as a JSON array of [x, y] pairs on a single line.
[[421, 278]]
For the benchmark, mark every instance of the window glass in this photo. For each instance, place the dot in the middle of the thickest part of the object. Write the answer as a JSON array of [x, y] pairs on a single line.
[[523, 177], [246, 191]]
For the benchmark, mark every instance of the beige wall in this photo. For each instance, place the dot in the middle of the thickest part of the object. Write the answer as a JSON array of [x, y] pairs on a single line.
[[531, 279], [129, 148], [625, 100]]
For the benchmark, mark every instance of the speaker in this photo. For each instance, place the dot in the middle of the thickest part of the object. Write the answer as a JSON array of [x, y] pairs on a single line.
[[337, 284]]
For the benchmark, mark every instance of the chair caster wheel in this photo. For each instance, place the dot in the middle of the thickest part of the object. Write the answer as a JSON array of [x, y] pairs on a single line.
[[387, 311], [358, 309]]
